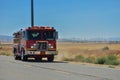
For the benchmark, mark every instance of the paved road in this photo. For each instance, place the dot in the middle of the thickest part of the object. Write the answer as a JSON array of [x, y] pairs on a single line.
[[18, 70]]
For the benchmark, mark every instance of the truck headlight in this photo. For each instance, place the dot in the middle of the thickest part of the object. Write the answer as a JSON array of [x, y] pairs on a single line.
[[50, 46], [32, 46]]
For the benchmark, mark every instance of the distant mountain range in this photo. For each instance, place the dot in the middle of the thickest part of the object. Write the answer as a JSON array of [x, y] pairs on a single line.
[[92, 39], [4, 38]]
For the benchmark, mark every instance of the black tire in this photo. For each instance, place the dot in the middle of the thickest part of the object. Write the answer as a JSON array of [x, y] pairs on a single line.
[[50, 58], [16, 57], [14, 51]]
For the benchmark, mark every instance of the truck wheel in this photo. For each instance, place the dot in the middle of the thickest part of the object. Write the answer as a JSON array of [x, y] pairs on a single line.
[[14, 51], [16, 57], [23, 57], [50, 58]]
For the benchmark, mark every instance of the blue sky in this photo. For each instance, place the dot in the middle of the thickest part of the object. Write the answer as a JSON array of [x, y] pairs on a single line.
[[72, 18]]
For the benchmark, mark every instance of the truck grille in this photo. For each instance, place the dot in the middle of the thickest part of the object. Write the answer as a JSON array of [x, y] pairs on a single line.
[[42, 46]]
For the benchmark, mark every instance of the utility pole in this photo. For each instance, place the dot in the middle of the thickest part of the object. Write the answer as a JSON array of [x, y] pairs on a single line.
[[0, 45], [32, 13]]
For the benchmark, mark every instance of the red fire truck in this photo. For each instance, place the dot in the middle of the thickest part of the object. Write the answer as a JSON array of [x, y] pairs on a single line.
[[35, 42]]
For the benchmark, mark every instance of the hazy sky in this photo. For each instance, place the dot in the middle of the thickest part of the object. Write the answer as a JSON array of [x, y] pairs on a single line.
[[72, 18]]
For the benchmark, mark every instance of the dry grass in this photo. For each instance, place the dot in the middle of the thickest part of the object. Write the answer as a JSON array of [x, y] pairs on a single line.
[[6, 49], [72, 49]]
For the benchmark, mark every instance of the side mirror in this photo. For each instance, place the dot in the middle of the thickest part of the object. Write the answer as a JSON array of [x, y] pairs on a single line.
[[56, 35]]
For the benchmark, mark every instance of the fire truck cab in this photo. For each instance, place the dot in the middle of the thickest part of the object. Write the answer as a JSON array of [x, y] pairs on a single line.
[[35, 42]]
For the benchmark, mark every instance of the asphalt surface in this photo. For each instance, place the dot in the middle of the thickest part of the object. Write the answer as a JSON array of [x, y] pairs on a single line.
[[11, 69]]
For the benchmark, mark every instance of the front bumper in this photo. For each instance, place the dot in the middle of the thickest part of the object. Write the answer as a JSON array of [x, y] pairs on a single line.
[[41, 53]]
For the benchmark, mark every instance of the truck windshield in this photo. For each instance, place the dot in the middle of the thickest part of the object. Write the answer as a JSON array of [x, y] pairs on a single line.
[[38, 35], [49, 35], [33, 35]]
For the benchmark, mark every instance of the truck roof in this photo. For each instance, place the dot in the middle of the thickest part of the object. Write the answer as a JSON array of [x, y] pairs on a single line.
[[40, 28]]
